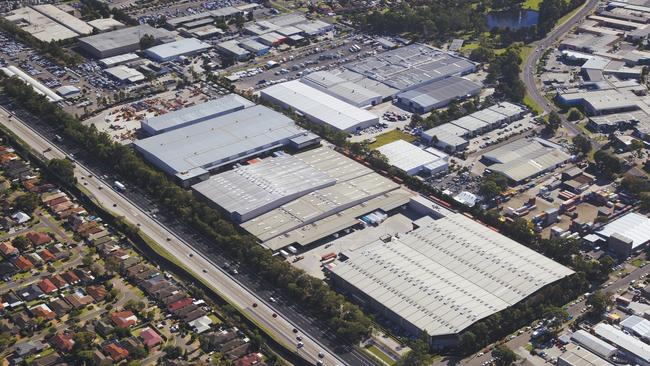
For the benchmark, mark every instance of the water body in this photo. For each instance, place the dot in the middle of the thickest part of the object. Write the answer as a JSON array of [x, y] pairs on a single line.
[[513, 19]]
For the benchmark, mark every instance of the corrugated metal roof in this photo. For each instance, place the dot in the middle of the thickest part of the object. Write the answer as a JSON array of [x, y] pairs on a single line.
[[408, 157], [624, 341], [634, 226]]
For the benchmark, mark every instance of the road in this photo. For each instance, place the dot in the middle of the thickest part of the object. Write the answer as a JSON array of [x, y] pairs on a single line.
[[224, 284], [530, 64]]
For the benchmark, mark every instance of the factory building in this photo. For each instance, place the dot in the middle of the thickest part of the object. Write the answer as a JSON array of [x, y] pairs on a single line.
[[318, 106], [438, 94], [358, 191], [594, 344], [412, 159], [443, 276], [627, 234], [194, 114], [190, 153], [448, 137], [580, 357], [125, 74], [106, 24], [638, 326], [48, 23], [525, 158], [173, 50], [342, 89], [251, 190], [231, 48], [635, 350], [122, 41]]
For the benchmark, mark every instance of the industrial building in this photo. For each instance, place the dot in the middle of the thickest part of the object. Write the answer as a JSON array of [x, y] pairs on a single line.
[[635, 350], [194, 114], [48, 23], [358, 191], [580, 357], [189, 153], [125, 74], [412, 159], [306, 27], [594, 344], [448, 137], [106, 24], [627, 234], [232, 48], [251, 190], [438, 94], [254, 47], [173, 50], [318, 106], [443, 276], [638, 326], [122, 41], [342, 89], [525, 158]]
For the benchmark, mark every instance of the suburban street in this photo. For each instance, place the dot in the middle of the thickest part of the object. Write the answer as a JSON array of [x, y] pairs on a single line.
[[530, 64], [223, 283]]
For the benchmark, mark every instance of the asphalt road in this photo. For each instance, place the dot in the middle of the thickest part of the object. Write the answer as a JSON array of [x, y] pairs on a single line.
[[225, 284], [530, 64]]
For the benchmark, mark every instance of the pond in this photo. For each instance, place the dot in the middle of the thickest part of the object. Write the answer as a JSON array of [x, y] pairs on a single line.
[[513, 19]]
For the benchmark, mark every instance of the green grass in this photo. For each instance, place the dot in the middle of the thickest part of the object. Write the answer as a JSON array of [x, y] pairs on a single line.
[[391, 136], [531, 4], [380, 355], [567, 16], [528, 101], [638, 262], [215, 319]]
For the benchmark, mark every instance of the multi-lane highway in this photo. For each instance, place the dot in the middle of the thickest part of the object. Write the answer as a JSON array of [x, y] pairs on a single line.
[[530, 64], [255, 307]]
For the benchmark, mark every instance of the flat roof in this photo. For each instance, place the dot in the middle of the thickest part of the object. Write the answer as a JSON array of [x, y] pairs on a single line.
[[116, 39], [593, 343], [69, 21], [196, 113], [193, 150], [177, 48], [469, 123], [581, 357], [341, 88], [524, 158], [119, 59], [39, 25], [319, 106], [254, 189], [104, 24], [440, 91], [448, 273], [624, 341], [633, 225], [125, 73], [408, 157]]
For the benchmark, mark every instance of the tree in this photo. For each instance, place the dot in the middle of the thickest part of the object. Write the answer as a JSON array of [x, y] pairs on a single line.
[[607, 163], [22, 243], [504, 356], [419, 354], [574, 115], [553, 121], [63, 169], [6, 340], [599, 302], [481, 54], [27, 202], [581, 144], [147, 41], [493, 185]]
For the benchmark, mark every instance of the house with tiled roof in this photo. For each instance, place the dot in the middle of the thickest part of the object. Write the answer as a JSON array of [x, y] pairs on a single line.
[[50, 360], [59, 281], [78, 301], [47, 286], [70, 277], [124, 319], [23, 263], [38, 238], [31, 292], [48, 197], [57, 201], [8, 250], [42, 311], [63, 341], [97, 292], [58, 251], [46, 255], [35, 258], [115, 352], [251, 359], [179, 304], [23, 321], [60, 306], [62, 207], [150, 337]]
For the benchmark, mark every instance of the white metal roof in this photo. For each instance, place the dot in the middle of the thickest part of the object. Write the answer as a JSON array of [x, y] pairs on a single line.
[[637, 325], [593, 343], [524, 158], [406, 156], [633, 226], [178, 48], [624, 341], [448, 273], [69, 21], [581, 357]]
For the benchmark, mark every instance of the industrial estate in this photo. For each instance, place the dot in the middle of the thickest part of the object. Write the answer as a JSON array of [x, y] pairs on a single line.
[[324, 183]]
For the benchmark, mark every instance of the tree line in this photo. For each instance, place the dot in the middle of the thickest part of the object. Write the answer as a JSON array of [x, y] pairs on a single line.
[[53, 49]]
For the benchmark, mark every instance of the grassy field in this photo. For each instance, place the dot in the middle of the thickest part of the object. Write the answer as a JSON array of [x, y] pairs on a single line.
[[531, 4], [381, 355], [532, 104], [638, 262], [391, 136]]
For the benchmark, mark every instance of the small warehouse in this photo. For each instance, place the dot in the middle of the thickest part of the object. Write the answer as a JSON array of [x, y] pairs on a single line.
[[122, 41], [254, 47], [448, 137], [594, 344], [412, 159], [231, 48], [627, 234], [125, 74], [173, 50], [580, 357], [437, 94]]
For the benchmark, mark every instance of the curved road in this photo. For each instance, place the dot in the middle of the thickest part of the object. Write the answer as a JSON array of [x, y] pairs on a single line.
[[530, 64], [223, 283]]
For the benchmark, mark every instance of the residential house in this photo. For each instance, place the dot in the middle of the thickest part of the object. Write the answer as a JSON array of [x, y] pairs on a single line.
[[31, 292], [20, 217], [23, 321], [58, 251], [29, 348], [150, 337], [63, 341], [42, 311], [70, 277], [23, 263], [34, 258], [60, 307], [116, 352], [78, 301], [59, 281], [98, 292], [8, 250], [38, 238], [124, 319], [251, 359], [175, 306], [7, 269], [46, 255], [49, 360], [100, 359], [47, 286]]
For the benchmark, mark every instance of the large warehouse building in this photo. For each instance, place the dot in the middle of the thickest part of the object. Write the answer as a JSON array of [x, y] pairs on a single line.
[[122, 40], [342, 89], [174, 50], [438, 94], [191, 152], [635, 350], [444, 276], [526, 158], [412, 159], [358, 191], [627, 234], [318, 106], [195, 114], [48, 23]]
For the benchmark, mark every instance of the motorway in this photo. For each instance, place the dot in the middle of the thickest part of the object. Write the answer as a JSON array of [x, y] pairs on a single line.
[[530, 64], [224, 284]]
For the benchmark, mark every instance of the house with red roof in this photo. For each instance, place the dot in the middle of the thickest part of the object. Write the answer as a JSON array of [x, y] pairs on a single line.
[[23, 263], [179, 304], [115, 352], [47, 286], [70, 277], [38, 238], [150, 337], [250, 359], [46, 255], [8, 250], [124, 319], [63, 341], [97, 292], [58, 281], [42, 311]]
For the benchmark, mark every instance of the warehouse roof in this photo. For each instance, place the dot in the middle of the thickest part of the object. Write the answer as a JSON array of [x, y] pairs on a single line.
[[105, 24], [507, 109], [524, 158], [116, 39], [193, 150], [408, 157], [340, 88], [638, 325], [39, 25], [260, 187], [634, 226], [440, 91], [448, 273], [319, 105], [125, 74], [119, 59], [69, 21], [233, 47], [196, 113], [470, 123], [593, 343], [253, 45], [177, 48], [624, 341], [581, 357]]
